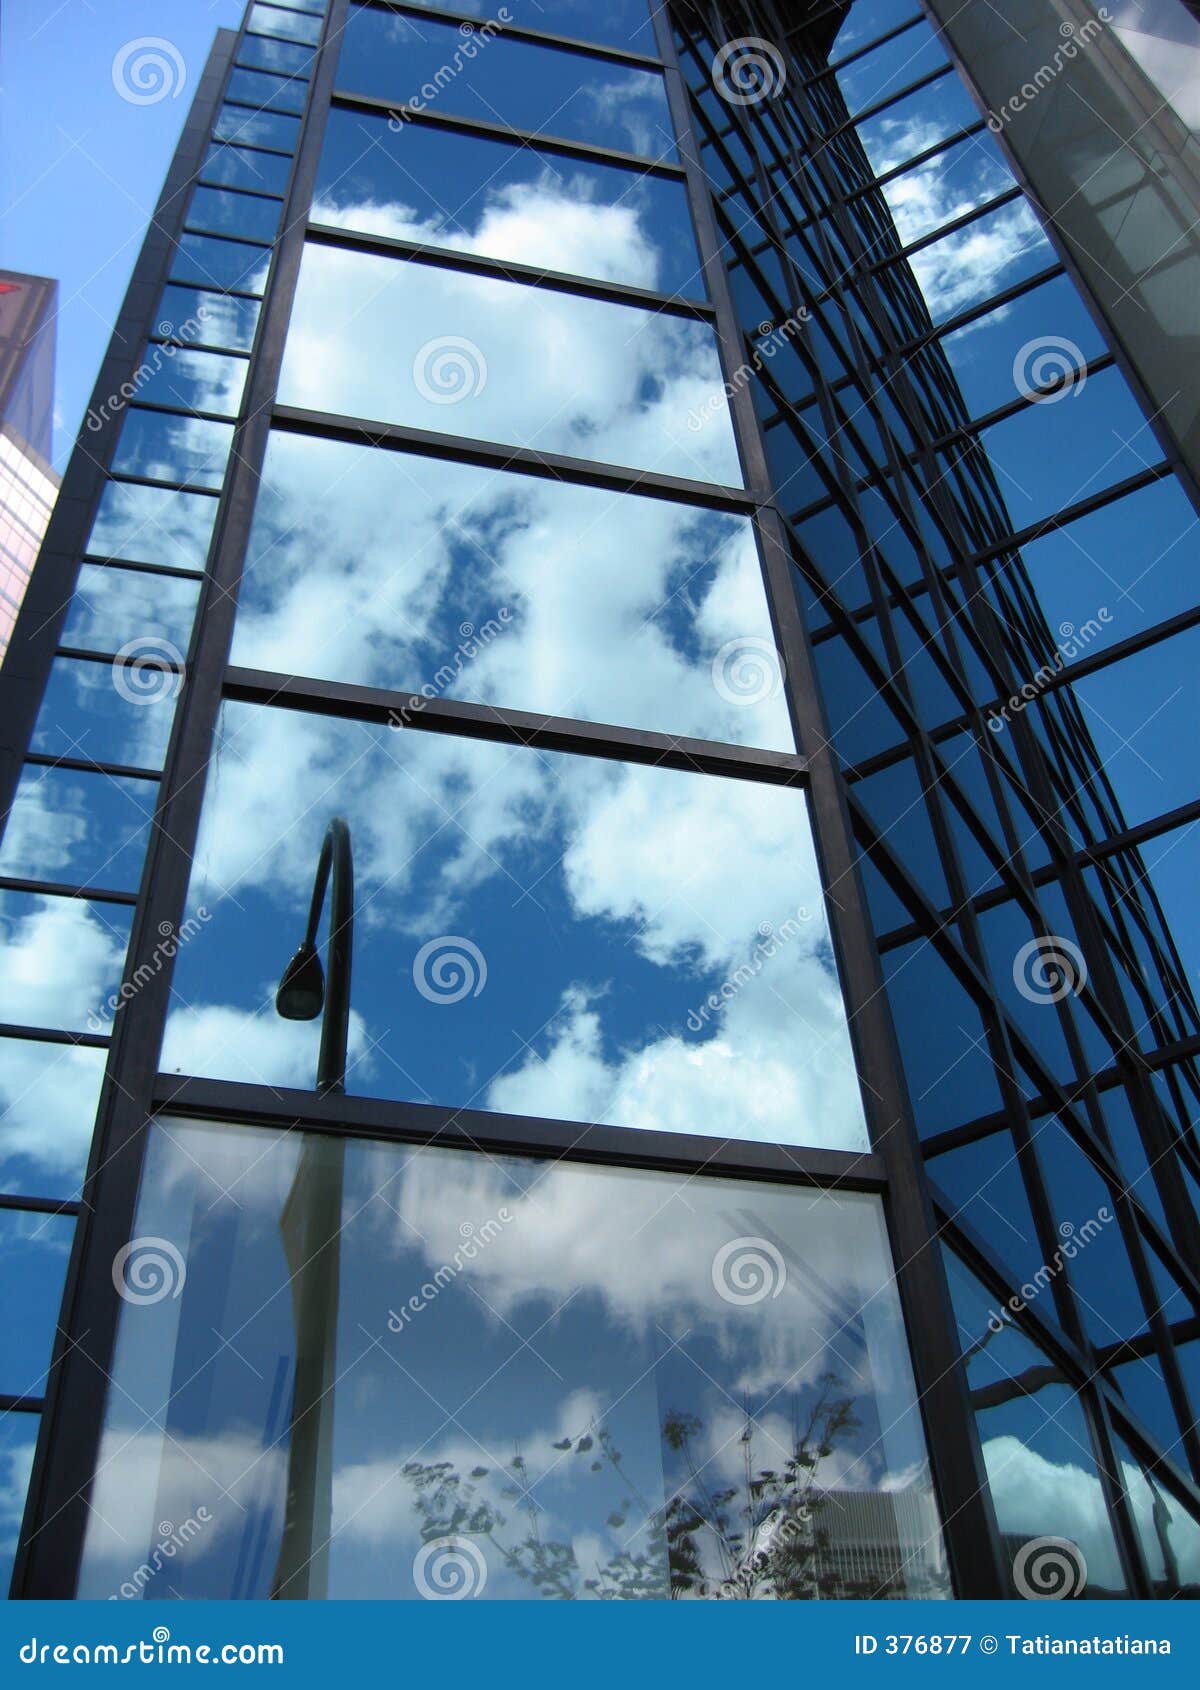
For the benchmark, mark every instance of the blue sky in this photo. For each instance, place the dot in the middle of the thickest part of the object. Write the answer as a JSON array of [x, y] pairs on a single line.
[[81, 166]]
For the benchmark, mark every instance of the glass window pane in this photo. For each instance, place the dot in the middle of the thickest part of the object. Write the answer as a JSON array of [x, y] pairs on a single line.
[[79, 829], [165, 447], [109, 713], [266, 93], [960, 179], [220, 264], [441, 579], [288, 25], [513, 203], [867, 20], [153, 525], [917, 122], [252, 217], [383, 338], [1170, 1536], [618, 23], [18, 1439], [422, 62], [60, 961], [257, 128], [886, 69], [111, 607], [968, 266], [616, 1398], [33, 1265], [1040, 1466], [48, 1098], [606, 969], [987, 1194], [263, 52], [997, 358], [246, 167], [207, 319], [193, 381]]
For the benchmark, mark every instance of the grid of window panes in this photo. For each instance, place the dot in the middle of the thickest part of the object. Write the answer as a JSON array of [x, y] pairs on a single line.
[[504, 567], [28, 488], [73, 849], [993, 557]]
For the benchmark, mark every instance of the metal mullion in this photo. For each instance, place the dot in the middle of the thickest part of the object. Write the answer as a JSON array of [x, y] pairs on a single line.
[[835, 65], [167, 486], [49, 1560], [232, 240], [90, 766], [65, 889], [975, 215], [520, 32], [40, 1205], [233, 188], [956, 1460], [917, 160], [53, 1036], [400, 1121], [586, 151], [521, 460], [479, 264], [419, 714], [880, 106]]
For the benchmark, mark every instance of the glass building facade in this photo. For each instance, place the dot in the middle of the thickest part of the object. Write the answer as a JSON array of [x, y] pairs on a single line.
[[28, 483], [643, 504]]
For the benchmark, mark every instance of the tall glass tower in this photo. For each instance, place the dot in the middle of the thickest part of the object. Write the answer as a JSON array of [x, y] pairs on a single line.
[[598, 989]]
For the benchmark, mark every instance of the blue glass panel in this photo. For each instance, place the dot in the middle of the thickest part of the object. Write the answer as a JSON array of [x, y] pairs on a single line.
[[246, 167], [153, 525], [411, 343], [111, 607], [77, 828], [251, 217], [440, 579], [266, 93], [110, 713], [1028, 342], [18, 1439], [885, 70], [263, 52], [586, 1350], [1170, 1536], [48, 1098], [215, 263], [618, 23], [608, 972], [163, 446], [513, 203], [426, 63], [33, 1265], [987, 1192], [950, 1075], [202, 318], [253, 128], [60, 961], [192, 381], [286, 24], [867, 20]]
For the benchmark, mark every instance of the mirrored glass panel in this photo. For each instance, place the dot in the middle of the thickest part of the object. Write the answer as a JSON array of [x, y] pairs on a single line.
[[202, 318], [601, 966], [442, 579], [153, 525], [518, 204], [48, 1098], [18, 1440], [387, 339], [1170, 1536], [255, 128], [266, 93], [618, 23], [78, 829], [958, 180], [969, 265], [246, 167], [251, 217], [33, 1264], [916, 122], [1040, 1466], [60, 961], [867, 20], [193, 381], [108, 712], [1141, 714], [164, 447], [286, 23], [112, 607], [592, 1367], [1022, 344], [423, 62], [220, 263], [264, 52], [890, 67]]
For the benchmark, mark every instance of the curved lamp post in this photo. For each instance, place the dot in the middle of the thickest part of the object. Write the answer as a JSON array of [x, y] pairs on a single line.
[[310, 1225]]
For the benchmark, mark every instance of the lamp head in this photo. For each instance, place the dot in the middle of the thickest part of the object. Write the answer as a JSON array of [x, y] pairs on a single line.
[[301, 993]]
